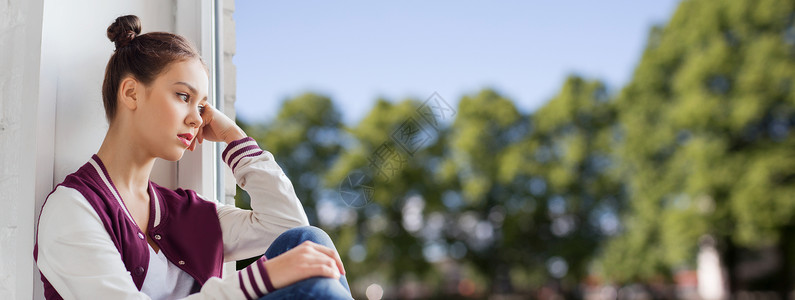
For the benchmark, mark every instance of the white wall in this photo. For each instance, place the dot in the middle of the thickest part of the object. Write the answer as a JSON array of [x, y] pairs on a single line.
[[74, 53], [20, 36], [52, 59]]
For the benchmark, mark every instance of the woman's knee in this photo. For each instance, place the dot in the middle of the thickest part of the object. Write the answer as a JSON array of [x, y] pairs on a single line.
[[323, 288], [309, 233], [311, 288], [295, 236]]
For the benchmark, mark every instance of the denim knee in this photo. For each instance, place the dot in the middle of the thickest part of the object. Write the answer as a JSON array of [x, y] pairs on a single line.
[[309, 233], [311, 288], [325, 288], [295, 236]]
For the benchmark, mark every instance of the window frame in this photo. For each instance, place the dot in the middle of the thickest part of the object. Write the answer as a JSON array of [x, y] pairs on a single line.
[[203, 169]]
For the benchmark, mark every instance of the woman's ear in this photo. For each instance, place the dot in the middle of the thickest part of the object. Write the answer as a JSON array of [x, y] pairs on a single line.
[[129, 92]]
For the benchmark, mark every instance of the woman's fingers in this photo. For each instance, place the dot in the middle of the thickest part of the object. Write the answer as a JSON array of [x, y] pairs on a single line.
[[318, 264], [192, 145], [196, 139], [217, 127], [209, 130], [330, 253], [210, 115], [327, 271], [302, 262]]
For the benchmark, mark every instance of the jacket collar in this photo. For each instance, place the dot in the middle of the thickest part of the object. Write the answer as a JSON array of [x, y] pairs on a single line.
[[155, 207]]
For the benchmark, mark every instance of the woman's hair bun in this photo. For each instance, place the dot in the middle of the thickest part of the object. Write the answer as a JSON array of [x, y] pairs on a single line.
[[124, 30]]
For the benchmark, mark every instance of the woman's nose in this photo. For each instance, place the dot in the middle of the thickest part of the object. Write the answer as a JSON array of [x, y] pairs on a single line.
[[194, 119]]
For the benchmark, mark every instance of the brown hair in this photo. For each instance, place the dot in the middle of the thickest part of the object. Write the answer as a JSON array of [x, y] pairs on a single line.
[[140, 56]]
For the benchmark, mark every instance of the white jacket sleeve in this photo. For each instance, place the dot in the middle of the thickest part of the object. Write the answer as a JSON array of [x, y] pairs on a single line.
[[79, 259], [275, 206]]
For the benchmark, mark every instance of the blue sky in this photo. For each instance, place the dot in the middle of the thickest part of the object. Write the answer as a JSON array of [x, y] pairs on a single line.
[[357, 51]]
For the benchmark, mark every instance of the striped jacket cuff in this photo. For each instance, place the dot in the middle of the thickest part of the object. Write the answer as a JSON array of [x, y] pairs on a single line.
[[240, 149], [254, 280]]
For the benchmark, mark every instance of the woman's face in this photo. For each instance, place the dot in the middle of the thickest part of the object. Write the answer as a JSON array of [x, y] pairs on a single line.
[[168, 118]]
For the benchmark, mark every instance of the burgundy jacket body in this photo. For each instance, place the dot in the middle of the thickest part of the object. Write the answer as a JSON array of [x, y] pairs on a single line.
[[195, 241]]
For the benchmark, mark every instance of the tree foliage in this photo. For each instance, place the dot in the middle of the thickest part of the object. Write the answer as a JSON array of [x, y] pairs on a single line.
[[621, 185], [705, 127]]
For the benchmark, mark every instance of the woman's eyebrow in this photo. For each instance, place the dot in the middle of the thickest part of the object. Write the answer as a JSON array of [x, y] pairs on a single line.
[[190, 87]]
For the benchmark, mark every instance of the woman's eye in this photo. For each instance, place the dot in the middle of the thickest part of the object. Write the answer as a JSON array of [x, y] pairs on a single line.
[[201, 109], [183, 96]]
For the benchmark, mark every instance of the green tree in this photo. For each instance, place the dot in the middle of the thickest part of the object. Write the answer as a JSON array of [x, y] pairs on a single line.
[[575, 134], [705, 142], [390, 243], [306, 139], [480, 163], [503, 197]]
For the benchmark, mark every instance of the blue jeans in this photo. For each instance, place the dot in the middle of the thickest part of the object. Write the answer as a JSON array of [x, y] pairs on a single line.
[[310, 288]]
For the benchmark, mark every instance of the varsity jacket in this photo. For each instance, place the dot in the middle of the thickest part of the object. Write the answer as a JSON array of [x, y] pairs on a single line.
[[88, 246]]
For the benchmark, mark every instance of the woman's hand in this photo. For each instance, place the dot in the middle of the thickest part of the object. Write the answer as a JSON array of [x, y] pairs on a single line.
[[304, 261], [216, 127]]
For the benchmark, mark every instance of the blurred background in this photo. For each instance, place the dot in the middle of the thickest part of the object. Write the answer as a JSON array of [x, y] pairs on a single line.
[[534, 150]]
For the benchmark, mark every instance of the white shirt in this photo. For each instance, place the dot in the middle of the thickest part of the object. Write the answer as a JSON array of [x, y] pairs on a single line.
[[164, 280]]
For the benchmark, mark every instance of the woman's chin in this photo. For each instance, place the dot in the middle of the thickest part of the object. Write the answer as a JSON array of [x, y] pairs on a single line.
[[175, 156]]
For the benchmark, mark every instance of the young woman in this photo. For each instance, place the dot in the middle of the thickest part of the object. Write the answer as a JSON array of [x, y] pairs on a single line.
[[107, 232]]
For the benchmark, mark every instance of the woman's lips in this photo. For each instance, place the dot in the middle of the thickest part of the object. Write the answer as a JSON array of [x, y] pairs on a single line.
[[185, 138]]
